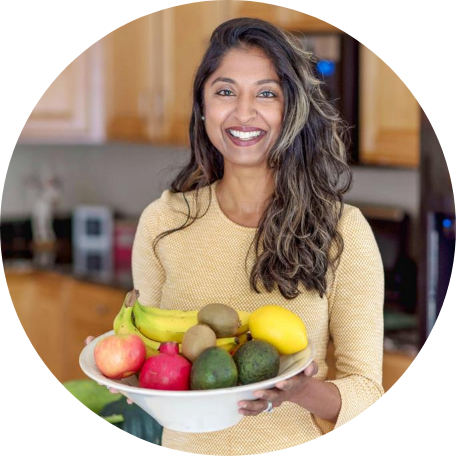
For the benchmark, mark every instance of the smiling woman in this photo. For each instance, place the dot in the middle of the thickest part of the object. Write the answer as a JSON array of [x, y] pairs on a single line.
[[257, 217], [243, 107], [290, 183]]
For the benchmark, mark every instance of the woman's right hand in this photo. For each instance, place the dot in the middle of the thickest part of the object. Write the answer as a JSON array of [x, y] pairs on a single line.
[[111, 390]]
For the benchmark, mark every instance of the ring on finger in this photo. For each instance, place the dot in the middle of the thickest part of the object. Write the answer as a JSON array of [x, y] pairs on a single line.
[[269, 408]]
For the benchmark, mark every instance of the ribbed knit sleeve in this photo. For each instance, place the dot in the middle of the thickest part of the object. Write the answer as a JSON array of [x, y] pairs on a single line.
[[148, 273], [356, 319]]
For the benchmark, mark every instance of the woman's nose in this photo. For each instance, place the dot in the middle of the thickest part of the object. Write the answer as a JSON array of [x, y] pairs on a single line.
[[245, 109]]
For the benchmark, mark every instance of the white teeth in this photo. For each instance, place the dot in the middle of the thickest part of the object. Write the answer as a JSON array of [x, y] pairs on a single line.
[[244, 135]]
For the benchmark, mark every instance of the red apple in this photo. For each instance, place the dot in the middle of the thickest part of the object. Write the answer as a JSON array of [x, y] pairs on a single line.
[[119, 356]]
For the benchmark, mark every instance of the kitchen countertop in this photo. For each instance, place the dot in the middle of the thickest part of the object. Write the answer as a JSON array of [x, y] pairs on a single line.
[[121, 279]]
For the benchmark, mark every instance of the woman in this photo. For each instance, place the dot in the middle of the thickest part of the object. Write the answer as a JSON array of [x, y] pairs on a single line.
[[256, 218]]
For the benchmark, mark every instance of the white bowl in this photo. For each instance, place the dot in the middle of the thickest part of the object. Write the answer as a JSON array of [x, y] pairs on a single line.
[[193, 411]]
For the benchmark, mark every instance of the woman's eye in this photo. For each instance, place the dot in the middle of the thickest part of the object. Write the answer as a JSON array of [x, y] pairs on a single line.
[[268, 91], [264, 91], [223, 90]]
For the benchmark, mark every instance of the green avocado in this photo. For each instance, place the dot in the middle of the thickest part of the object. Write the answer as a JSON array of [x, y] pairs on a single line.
[[256, 361], [214, 368]]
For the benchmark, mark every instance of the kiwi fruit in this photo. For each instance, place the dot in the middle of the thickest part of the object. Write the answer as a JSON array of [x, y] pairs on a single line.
[[196, 339], [222, 319]]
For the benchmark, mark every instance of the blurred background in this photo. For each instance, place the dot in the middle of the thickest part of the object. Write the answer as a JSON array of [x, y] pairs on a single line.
[[110, 133]]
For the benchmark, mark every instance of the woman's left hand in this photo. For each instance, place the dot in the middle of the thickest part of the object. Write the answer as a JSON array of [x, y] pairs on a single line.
[[286, 390]]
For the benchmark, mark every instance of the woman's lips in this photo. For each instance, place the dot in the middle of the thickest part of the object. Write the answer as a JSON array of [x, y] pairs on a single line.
[[246, 142]]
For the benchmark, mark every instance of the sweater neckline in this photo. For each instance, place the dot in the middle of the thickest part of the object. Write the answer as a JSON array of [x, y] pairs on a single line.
[[224, 216]]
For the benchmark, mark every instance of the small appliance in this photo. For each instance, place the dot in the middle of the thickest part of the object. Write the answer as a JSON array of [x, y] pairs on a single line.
[[93, 241]]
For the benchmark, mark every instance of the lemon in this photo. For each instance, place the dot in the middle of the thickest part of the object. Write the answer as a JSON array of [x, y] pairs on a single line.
[[281, 327]]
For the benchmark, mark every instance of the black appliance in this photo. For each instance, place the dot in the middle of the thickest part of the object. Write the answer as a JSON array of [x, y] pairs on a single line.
[[437, 218], [337, 65], [391, 228]]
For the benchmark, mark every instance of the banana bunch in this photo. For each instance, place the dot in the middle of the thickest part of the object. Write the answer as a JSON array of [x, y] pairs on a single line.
[[123, 324], [154, 325]]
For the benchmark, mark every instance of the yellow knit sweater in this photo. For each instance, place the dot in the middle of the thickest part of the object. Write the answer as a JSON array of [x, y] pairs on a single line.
[[205, 263]]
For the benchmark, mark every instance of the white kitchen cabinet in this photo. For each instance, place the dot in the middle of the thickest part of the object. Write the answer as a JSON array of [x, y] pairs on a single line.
[[72, 110]]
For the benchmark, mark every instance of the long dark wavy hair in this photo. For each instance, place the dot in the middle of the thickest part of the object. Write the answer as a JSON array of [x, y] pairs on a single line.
[[295, 240]]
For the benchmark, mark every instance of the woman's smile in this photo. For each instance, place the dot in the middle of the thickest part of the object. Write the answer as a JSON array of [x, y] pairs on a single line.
[[245, 136]]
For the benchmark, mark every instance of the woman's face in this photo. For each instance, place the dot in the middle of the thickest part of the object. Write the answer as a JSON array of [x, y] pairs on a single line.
[[243, 107]]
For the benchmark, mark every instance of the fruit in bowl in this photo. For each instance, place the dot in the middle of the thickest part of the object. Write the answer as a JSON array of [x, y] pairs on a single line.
[[166, 371], [222, 319], [280, 327], [198, 410], [256, 361], [196, 340], [120, 356], [214, 368], [215, 339]]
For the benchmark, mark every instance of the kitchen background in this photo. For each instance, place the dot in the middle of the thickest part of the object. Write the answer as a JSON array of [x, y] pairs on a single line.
[[111, 131]]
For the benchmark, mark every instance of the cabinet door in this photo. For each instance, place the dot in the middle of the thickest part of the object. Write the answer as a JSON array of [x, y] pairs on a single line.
[[394, 366], [186, 33], [298, 21], [39, 300], [131, 58], [264, 11], [91, 312], [389, 116], [283, 17], [72, 108], [152, 62]]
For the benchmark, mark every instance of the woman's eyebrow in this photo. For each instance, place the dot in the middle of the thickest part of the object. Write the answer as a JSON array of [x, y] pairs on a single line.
[[232, 81]]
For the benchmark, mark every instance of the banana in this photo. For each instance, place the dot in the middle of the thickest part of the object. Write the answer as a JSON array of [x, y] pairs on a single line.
[[162, 328], [243, 338], [169, 325], [228, 347], [227, 340], [244, 317], [123, 324], [118, 319], [163, 325], [159, 312]]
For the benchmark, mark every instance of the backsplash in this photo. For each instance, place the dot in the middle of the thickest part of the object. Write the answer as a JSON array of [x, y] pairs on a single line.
[[126, 177]]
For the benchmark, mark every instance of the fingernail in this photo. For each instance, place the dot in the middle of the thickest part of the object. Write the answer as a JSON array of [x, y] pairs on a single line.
[[258, 395]]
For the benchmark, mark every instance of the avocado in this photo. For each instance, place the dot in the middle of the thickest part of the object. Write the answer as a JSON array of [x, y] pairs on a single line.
[[214, 368], [256, 361]]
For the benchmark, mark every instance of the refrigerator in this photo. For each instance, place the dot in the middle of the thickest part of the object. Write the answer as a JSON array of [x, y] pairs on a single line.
[[437, 222]]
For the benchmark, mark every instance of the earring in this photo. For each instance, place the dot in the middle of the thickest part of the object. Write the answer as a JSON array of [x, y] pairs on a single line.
[[203, 118]]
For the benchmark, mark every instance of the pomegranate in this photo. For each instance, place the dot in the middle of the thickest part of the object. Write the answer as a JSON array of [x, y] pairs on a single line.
[[166, 371]]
